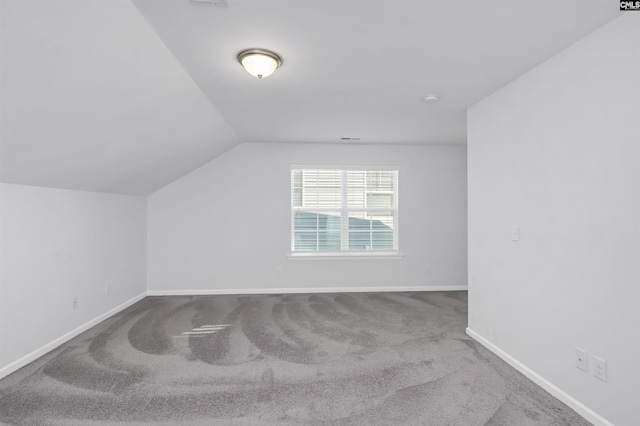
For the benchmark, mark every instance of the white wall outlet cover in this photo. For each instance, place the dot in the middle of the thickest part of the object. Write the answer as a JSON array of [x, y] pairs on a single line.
[[581, 359], [515, 233], [600, 368]]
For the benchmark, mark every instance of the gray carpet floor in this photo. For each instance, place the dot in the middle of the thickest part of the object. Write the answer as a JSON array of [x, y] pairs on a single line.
[[322, 359]]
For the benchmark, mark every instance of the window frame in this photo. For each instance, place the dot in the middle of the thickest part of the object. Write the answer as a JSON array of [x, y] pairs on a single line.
[[344, 210]]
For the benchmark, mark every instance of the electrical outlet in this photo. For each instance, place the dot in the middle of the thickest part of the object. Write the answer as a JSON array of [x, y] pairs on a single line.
[[581, 359], [278, 271], [107, 289], [600, 368], [74, 302]]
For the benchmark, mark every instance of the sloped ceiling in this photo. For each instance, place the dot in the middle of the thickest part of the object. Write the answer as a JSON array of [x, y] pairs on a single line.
[[93, 100], [120, 96]]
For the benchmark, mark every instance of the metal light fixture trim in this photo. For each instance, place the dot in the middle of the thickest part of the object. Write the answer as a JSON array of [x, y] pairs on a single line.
[[259, 62]]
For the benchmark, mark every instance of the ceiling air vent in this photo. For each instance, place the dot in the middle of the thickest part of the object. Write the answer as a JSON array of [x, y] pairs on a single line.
[[211, 3]]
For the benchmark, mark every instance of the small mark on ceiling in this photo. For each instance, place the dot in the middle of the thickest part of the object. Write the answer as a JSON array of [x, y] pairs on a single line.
[[211, 3], [431, 97]]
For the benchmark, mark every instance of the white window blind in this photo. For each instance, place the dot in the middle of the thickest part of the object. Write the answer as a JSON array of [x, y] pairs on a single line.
[[341, 210]]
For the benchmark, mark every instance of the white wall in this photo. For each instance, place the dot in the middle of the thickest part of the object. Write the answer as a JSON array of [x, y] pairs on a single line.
[[226, 226], [57, 244], [557, 153]]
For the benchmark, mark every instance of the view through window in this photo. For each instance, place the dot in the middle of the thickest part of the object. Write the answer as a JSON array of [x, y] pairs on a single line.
[[341, 210]]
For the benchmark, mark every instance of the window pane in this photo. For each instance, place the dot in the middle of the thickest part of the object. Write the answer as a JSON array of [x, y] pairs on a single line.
[[329, 189], [329, 241], [382, 220], [321, 188], [356, 189], [359, 221], [380, 200], [305, 241], [329, 222], [382, 240], [297, 197], [329, 197], [359, 240], [296, 185], [305, 220], [380, 180]]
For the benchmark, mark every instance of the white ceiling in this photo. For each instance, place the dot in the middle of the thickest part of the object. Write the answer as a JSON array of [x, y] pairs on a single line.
[[121, 96]]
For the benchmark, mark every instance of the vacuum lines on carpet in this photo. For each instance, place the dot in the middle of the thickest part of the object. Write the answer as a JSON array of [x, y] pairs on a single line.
[[307, 359]]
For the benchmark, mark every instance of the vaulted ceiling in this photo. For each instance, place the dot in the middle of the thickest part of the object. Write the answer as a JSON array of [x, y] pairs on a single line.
[[125, 96]]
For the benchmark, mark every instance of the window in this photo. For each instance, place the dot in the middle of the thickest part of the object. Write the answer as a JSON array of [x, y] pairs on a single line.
[[344, 211]]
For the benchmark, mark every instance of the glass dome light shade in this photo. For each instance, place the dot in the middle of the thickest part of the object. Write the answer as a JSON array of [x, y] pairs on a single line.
[[259, 63]]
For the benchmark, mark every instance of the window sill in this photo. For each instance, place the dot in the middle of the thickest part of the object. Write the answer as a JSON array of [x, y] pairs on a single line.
[[345, 256]]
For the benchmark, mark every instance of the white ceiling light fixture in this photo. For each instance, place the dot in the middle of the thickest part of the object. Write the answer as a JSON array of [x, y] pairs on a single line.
[[260, 62]]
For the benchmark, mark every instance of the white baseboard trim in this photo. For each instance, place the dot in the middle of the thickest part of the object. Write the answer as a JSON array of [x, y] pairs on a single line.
[[576, 405], [288, 290], [21, 362]]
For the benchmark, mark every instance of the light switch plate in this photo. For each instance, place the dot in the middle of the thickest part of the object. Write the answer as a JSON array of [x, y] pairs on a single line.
[[515, 233], [581, 359]]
